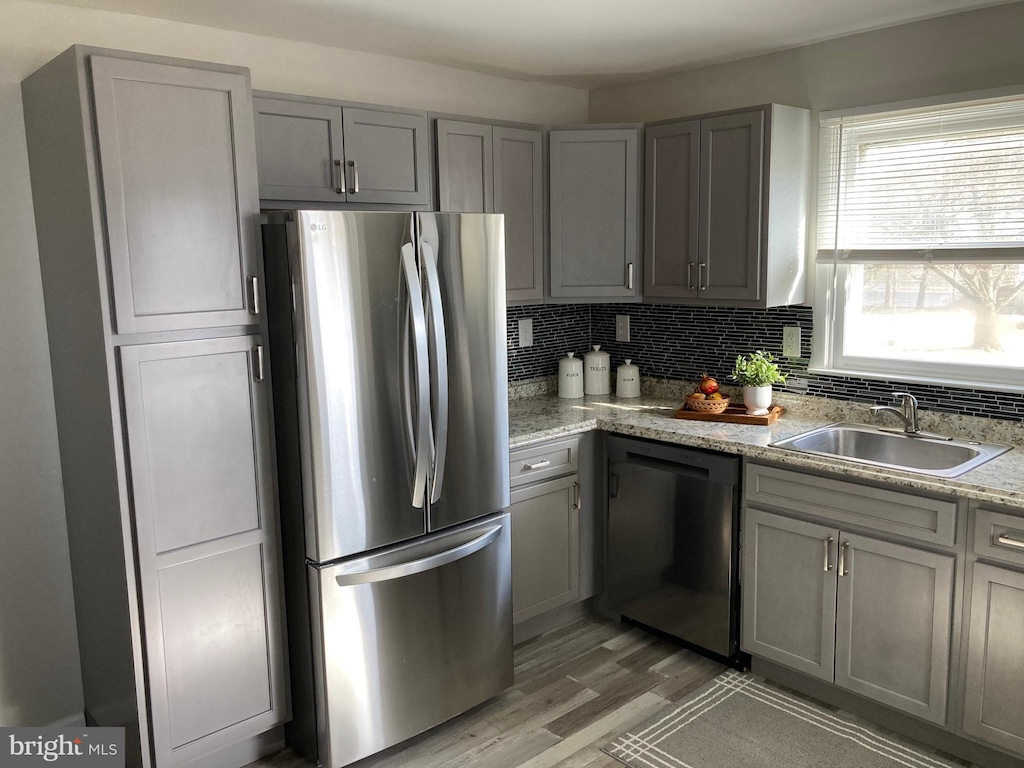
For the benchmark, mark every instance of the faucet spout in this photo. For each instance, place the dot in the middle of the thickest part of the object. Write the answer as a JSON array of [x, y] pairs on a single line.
[[907, 414]]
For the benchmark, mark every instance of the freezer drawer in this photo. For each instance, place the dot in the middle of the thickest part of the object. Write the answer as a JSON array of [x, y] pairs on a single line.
[[410, 637]]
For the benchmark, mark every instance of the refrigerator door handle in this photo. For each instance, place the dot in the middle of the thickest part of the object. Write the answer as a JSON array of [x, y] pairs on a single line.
[[440, 365], [408, 568], [418, 434]]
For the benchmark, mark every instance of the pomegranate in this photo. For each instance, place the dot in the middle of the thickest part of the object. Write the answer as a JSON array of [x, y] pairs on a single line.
[[708, 385]]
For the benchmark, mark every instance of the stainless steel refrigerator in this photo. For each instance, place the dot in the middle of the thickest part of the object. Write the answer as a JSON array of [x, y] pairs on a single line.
[[388, 356]]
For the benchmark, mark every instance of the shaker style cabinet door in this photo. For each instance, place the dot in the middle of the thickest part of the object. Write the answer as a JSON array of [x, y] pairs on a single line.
[[519, 194], [593, 209], [465, 175], [545, 547], [994, 704], [672, 174], [177, 163], [386, 157], [299, 151], [200, 459], [893, 625], [789, 592], [729, 240]]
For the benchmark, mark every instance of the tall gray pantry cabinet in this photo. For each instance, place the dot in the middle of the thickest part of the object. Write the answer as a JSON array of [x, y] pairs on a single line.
[[145, 192]]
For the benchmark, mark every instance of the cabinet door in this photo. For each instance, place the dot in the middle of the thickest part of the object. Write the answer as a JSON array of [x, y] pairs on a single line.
[[545, 547], [465, 174], [729, 239], [593, 213], [178, 167], [672, 173], [386, 157], [789, 592], [519, 194], [200, 458], [994, 704], [299, 151], [893, 625]]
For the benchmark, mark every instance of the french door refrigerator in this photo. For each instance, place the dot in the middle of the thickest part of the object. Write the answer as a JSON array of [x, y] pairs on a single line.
[[391, 410]]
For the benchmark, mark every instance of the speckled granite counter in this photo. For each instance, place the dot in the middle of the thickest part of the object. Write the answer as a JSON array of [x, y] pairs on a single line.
[[543, 417]]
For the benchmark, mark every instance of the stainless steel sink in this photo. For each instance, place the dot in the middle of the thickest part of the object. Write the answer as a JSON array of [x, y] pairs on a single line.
[[882, 448]]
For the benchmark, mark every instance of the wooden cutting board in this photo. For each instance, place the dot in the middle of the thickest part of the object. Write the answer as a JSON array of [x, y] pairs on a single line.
[[734, 414]]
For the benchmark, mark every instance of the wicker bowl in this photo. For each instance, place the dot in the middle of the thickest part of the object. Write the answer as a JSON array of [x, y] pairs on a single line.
[[708, 406]]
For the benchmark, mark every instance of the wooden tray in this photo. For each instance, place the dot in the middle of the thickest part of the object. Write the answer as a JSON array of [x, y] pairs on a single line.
[[734, 414]]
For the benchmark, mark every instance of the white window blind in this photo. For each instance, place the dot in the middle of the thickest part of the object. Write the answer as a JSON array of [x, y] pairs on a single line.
[[934, 184]]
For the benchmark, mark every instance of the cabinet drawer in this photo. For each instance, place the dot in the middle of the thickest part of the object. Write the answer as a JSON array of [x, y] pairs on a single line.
[[902, 514], [540, 462], [999, 536]]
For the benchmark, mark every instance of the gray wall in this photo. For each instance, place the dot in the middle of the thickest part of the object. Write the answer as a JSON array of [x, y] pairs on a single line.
[[39, 667]]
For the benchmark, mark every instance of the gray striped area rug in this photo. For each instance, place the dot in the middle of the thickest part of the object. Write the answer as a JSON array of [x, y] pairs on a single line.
[[741, 721]]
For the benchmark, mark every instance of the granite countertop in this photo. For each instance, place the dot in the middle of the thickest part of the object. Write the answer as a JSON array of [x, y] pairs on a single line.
[[544, 416]]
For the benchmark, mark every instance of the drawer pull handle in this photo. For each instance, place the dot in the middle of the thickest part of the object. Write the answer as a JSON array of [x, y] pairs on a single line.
[[1008, 541], [843, 570], [828, 551], [537, 465]]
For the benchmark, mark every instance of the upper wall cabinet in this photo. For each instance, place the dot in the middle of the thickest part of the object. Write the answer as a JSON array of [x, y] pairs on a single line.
[[726, 207], [322, 151], [483, 168], [593, 213], [179, 192]]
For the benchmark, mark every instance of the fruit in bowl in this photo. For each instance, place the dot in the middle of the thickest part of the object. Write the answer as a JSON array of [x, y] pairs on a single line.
[[696, 396], [707, 385]]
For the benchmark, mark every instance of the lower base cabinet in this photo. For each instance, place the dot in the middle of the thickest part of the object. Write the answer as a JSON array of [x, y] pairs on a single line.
[[994, 702]]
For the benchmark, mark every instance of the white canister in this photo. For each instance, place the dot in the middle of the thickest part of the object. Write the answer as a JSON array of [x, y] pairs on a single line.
[[597, 372], [570, 376], [627, 380]]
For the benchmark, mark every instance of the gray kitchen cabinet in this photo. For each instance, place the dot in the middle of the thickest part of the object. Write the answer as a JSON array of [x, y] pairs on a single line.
[[726, 203], [893, 624], [146, 200], [300, 154], [789, 592], [318, 150], [545, 547], [177, 168], [994, 702], [593, 201], [483, 168], [202, 479]]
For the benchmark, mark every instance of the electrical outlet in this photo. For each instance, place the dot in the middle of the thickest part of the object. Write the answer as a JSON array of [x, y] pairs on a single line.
[[526, 332], [791, 341], [622, 327]]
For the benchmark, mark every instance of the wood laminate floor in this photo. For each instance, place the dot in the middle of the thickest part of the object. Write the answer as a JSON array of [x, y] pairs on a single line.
[[576, 688]]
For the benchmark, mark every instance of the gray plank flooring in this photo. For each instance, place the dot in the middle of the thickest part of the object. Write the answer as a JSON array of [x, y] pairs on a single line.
[[576, 688]]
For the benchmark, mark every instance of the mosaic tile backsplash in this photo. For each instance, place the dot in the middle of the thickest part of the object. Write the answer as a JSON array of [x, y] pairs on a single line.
[[675, 342]]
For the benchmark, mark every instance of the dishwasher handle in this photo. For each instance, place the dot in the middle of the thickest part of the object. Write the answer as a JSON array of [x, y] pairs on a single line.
[[663, 465], [709, 466]]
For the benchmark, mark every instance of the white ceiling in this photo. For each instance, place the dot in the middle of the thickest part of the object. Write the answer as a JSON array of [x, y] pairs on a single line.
[[584, 43]]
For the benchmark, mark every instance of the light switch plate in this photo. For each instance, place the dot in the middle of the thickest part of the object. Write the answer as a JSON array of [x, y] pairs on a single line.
[[526, 332], [791, 341], [622, 327]]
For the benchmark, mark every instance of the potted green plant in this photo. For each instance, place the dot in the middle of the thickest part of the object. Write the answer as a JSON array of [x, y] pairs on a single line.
[[756, 373]]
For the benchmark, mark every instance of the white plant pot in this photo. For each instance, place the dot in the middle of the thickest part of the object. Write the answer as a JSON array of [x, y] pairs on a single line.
[[757, 399]]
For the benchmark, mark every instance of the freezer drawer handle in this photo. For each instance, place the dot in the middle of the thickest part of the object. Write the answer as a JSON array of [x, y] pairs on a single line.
[[1008, 541], [389, 572]]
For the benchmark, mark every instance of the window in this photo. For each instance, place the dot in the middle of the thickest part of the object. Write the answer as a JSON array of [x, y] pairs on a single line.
[[920, 261]]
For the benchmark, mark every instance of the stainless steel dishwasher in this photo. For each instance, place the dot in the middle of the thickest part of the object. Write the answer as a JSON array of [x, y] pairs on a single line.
[[672, 542]]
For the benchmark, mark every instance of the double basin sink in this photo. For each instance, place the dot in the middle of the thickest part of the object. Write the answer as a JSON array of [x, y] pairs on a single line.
[[927, 455]]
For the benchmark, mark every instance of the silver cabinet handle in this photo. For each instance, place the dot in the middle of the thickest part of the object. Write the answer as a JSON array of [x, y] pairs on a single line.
[[361, 575], [578, 503], [418, 435], [440, 367], [843, 570], [629, 276], [1008, 541], [254, 287], [701, 280], [537, 464], [828, 552], [689, 275], [257, 363], [339, 181], [354, 189]]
